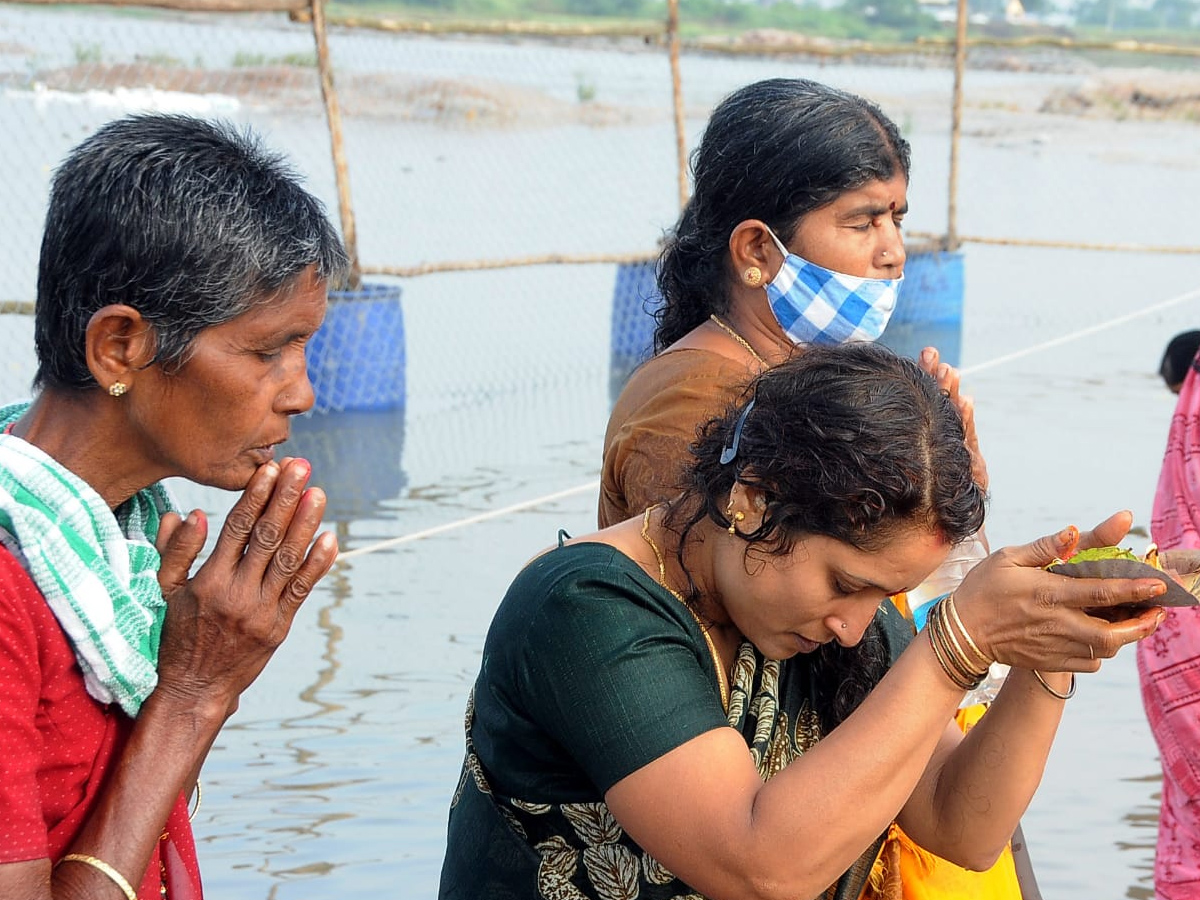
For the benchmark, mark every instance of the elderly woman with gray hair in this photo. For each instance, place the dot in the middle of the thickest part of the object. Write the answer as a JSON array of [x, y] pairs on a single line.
[[182, 271]]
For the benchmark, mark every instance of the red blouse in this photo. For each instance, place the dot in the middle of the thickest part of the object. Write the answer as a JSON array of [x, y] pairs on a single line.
[[57, 743]]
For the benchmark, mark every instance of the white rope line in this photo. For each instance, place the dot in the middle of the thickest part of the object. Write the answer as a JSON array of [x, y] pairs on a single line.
[[595, 485], [470, 520], [1083, 332]]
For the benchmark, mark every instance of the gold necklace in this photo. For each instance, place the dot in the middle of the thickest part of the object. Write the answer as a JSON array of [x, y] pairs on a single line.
[[737, 337], [722, 675]]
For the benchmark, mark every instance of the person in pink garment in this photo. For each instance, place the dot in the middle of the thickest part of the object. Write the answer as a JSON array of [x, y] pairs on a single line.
[[1169, 660], [1177, 359]]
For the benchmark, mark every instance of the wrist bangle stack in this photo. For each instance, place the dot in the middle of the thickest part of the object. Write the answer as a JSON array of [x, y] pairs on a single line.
[[1051, 691], [958, 655], [101, 866]]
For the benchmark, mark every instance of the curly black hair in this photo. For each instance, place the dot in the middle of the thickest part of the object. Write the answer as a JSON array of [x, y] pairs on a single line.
[[851, 442]]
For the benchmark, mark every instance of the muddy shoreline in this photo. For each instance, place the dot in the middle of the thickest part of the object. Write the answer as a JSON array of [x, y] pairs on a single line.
[[1099, 93]]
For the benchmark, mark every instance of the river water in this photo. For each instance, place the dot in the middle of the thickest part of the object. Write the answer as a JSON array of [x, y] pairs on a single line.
[[333, 778]]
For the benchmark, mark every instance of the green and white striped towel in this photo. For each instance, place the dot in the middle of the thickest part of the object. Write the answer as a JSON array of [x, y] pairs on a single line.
[[98, 571]]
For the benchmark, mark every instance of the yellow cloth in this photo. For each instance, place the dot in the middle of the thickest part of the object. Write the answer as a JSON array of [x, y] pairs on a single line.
[[923, 876]]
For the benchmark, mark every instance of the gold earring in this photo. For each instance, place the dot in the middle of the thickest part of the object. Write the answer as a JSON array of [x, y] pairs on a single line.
[[752, 276], [117, 388], [738, 516]]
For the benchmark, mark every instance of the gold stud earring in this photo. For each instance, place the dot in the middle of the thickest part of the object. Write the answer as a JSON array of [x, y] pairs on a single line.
[[752, 276], [117, 388]]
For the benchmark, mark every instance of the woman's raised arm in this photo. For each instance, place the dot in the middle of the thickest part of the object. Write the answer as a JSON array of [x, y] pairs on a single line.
[[704, 813], [1032, 620]]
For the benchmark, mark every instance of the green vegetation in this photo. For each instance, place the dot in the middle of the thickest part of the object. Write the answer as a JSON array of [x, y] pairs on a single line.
[[244, 59], [88, 53], [883, 21], [585, 87], [160, 58], [1103, 553], [879, 20]]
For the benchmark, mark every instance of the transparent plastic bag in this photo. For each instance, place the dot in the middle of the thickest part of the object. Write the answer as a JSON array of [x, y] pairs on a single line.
[[943, 581]]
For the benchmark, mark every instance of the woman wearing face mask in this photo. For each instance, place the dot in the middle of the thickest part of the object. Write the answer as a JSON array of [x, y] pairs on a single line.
[[791, 237], [715, 698]]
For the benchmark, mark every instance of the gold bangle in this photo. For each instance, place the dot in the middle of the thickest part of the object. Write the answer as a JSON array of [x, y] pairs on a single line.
[[1051, 691], [979, 654], [972, 673], [101, 866], [937, 640], [945, 667]]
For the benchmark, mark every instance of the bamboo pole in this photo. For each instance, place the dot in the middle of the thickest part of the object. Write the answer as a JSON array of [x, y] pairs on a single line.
[[333, 116], [480, 265], [677, 100], [1163, 249], [803, 47], [1065, 43], [188, 5], [960, 65], [648, 31]]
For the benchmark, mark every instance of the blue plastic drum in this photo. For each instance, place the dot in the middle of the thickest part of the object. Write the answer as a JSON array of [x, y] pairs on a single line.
[[356, 361]]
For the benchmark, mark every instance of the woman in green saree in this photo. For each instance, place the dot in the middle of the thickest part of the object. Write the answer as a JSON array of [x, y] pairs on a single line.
[[627, 673]]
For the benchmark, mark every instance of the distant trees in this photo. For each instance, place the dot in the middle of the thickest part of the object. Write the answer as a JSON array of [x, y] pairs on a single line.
[[861, 19], [883, 20], [1177, 13], [625, 9], [900, 14]]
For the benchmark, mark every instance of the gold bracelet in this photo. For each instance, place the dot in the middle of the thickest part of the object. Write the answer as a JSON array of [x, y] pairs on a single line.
[[952, 668], [939, 650], [1051, 691], [972, 673], [979, 654], [942, 662], [101, 866]]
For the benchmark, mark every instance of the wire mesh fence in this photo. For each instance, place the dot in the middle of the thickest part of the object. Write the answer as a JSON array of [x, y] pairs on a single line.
[[470, 153], [547, 154]]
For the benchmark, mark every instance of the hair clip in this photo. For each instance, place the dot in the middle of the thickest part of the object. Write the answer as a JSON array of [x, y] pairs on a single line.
[[729, 454]]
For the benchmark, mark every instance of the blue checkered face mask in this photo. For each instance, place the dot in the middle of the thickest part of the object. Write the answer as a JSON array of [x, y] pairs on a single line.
[[814, 305]]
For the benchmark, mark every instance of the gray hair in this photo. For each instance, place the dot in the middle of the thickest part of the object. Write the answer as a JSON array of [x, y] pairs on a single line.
[[190, 222]]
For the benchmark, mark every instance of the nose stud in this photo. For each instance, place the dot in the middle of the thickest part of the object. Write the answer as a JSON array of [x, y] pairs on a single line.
[[884, 254]]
